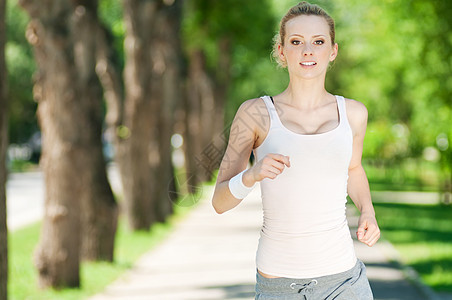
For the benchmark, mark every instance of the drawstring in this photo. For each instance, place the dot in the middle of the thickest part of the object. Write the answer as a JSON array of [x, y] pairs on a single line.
[[301, 286]]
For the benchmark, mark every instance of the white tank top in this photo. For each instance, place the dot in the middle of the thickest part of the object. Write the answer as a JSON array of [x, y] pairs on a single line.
[[305, 232]]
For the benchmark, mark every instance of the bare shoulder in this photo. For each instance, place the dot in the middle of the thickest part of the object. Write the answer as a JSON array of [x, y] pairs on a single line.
[[356, 111], [356, 114], [355, 107], [251, 105], [253, 112]]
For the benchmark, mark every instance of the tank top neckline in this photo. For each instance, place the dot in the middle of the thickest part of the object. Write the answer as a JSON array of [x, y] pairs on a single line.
[[276, 118]]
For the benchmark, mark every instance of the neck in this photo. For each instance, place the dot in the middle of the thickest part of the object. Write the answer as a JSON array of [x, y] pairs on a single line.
[[304, 93]]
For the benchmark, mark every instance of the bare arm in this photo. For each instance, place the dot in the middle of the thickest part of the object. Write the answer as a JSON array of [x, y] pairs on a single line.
[[358, 185], [242, 137]]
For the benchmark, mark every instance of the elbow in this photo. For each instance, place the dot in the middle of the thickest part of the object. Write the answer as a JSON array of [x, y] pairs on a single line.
[[217, 208], [219, 211], [216, 202]]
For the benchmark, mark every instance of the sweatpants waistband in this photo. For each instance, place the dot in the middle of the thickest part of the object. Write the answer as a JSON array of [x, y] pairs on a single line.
[[283, 284]]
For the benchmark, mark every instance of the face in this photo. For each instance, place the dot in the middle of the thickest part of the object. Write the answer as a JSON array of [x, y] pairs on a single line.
[[307, 47]]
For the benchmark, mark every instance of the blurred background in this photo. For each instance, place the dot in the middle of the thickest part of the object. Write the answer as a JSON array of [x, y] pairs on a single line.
[[116, 111]]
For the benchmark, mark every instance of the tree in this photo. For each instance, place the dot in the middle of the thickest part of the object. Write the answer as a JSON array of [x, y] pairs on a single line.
[[167, 94], [140, 122], [69, 113], [99, 210], [134, 133], [3, 146], [58, 254]]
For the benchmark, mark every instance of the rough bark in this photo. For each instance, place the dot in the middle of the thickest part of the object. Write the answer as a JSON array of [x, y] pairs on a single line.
[[3, 146], [99, 217], [69, 113], [136, 151], [49, 31]]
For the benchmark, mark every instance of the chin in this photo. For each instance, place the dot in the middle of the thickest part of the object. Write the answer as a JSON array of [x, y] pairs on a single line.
[[309, 76]]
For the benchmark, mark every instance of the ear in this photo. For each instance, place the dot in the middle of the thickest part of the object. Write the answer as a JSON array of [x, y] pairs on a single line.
[[281, 52], [334, 52]]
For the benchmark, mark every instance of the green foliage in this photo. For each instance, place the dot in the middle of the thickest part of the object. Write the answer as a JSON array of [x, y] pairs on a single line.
[[110, 14], [249, 29], [206, 22], [395, 57], [422, 234], [21, 66]]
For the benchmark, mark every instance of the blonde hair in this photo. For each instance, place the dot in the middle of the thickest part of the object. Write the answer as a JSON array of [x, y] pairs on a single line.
[[301, 9]]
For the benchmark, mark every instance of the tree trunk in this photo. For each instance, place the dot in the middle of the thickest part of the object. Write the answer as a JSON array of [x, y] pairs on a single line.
[[135, 151], [140, 122], [206, 97], [198, 125], [99, 217], [3, 146], [59, 114], [112, 84], [168, 89], [69, 112]]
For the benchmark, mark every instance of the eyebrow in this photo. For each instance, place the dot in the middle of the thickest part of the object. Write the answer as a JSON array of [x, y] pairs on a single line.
[[314, 36]]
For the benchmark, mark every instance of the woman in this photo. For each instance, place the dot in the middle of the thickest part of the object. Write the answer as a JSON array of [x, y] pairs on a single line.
[[308, 145]]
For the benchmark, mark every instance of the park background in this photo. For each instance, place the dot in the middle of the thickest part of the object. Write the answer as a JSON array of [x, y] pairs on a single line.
[[152, 86]]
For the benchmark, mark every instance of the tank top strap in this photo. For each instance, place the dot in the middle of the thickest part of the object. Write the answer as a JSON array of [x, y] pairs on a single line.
[[342, 111], [271, 109]]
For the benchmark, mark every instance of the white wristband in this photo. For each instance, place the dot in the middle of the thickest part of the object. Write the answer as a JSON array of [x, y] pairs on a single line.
[[237, 188]]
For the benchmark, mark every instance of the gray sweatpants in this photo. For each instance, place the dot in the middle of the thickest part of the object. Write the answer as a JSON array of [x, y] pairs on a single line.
[[349, 285]]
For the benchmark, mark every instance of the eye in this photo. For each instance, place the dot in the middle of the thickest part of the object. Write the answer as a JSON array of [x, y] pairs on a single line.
[[319, 42], [295, 42]]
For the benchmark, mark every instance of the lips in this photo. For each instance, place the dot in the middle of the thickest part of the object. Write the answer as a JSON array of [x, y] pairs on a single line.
[[308, 63]]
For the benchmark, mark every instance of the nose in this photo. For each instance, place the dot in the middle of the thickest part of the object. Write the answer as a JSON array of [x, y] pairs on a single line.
[[307, 50]]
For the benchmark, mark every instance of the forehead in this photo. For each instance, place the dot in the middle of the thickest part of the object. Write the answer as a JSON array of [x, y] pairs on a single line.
[[307, 26]]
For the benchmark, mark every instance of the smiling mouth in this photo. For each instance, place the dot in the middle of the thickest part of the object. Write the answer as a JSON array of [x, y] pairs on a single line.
[[308, 63]]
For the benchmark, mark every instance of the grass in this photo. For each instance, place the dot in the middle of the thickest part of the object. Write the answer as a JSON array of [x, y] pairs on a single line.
[[411, 175], [95, 276], [21, 166], [423, 236]]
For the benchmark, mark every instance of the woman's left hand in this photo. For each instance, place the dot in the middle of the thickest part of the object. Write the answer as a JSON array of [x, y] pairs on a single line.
[[368, 231]]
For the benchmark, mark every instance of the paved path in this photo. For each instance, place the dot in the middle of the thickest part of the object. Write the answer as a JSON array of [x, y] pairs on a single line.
[[210, 256], [25, 196]]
